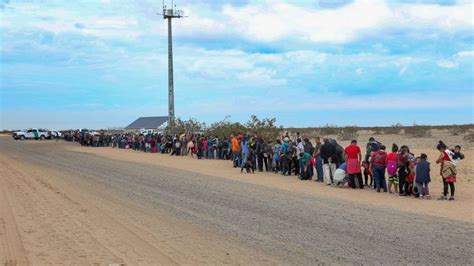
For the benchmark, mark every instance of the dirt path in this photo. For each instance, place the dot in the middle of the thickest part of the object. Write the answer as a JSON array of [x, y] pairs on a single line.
[[462, 209], [45, 220], [66, 207]]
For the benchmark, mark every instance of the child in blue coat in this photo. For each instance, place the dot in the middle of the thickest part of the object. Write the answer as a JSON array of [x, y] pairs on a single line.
[[423, 177]]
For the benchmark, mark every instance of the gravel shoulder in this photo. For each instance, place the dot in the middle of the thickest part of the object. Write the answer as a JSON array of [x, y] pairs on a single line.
[[71, 206], [462, 209]]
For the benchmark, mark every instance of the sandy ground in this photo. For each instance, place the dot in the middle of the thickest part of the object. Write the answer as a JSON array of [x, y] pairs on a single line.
[[46, 218], [65, 204], [462, 209]]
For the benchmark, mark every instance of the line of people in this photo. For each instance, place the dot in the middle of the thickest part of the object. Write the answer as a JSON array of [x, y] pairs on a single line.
[[326, 161]]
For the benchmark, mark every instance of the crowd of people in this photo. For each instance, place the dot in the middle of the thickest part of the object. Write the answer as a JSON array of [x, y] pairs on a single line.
[[324, 161]]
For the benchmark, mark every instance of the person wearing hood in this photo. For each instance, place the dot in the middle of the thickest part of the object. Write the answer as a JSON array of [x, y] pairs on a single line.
[[328, 154]]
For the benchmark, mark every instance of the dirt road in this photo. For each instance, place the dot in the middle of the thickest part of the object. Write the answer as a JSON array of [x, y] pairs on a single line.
[[63, 206]]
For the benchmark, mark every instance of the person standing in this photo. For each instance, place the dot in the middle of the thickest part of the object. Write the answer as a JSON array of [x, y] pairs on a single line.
[[318, 160], [392, 167], [353, 157], [403, 169], [235, 151], [200, 147], [299, 155], [328, 154], [260, 149], [276, 158], [285, 155], [377, 164], [244, 144], [447, 170], [423, 177]]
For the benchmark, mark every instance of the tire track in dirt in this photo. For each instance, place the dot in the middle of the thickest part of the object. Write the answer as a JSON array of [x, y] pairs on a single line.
[[297, 228], [65, 222]]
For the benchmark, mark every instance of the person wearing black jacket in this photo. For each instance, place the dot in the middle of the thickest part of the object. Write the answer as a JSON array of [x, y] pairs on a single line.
[[328, 154]]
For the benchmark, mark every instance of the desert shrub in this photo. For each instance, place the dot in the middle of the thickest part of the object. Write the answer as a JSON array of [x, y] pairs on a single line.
[[418, 131], [225, 128], [469, 137], [458, 130], [190, 126], [348, 133], [377, 130], [328, 130], [394, 129], [265, 127]]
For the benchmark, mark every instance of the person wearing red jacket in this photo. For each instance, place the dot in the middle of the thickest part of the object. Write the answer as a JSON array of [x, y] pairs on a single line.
[[377, 164]]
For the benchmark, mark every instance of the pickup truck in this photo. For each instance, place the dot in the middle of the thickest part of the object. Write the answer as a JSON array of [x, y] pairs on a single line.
[[32, 133]]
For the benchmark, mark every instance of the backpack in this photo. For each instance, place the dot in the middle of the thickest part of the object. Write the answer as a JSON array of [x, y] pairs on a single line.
[[289, 149], [392, 168]]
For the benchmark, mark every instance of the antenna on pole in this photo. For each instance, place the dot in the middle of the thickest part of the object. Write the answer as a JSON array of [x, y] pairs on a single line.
[[169, 14]]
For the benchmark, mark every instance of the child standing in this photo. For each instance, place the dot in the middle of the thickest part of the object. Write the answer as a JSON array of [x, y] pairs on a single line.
[[423, 177], [392, 167], [410, 180], [367, 174]]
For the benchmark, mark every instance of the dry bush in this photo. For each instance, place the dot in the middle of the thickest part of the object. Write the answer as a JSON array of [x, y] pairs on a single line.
[[469, 137], [393, 130], [458, 130], [328, 130], [418, 131], [190, 126], [265, 127], [348, 133], [377, 130]]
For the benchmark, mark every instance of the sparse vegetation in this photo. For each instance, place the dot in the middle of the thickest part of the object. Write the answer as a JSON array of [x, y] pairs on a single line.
[[328, 130], [348, 133], [377, 130], [458, 130], [394, 129], [265, 127], [418, 131], [185, 126], [469, 137]]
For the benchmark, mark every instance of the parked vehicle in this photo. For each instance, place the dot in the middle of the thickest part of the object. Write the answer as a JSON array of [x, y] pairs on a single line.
[[55, 134], [144, 131], [31, 133]]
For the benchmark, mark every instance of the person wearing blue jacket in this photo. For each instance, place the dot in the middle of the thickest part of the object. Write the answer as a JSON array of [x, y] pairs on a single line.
[[423, 177]]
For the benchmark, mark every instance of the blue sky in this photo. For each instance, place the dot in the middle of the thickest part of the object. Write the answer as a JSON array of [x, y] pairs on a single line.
[[98, 64]]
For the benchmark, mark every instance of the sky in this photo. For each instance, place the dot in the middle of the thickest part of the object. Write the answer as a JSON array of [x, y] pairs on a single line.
[[102, 64]]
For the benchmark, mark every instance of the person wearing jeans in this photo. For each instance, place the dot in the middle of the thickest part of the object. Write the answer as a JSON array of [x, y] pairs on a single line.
[[379, 176], [244, 144], [236, 159], [377, 163]]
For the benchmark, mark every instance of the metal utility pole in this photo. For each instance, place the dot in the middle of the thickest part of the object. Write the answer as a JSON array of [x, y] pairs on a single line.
[[170, 14]]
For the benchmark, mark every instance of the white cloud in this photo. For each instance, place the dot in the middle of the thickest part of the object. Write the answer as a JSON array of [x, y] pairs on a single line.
[[446, 63], [454, 60], [403, 63], [465, 54], [267, 21], [277, 20]]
